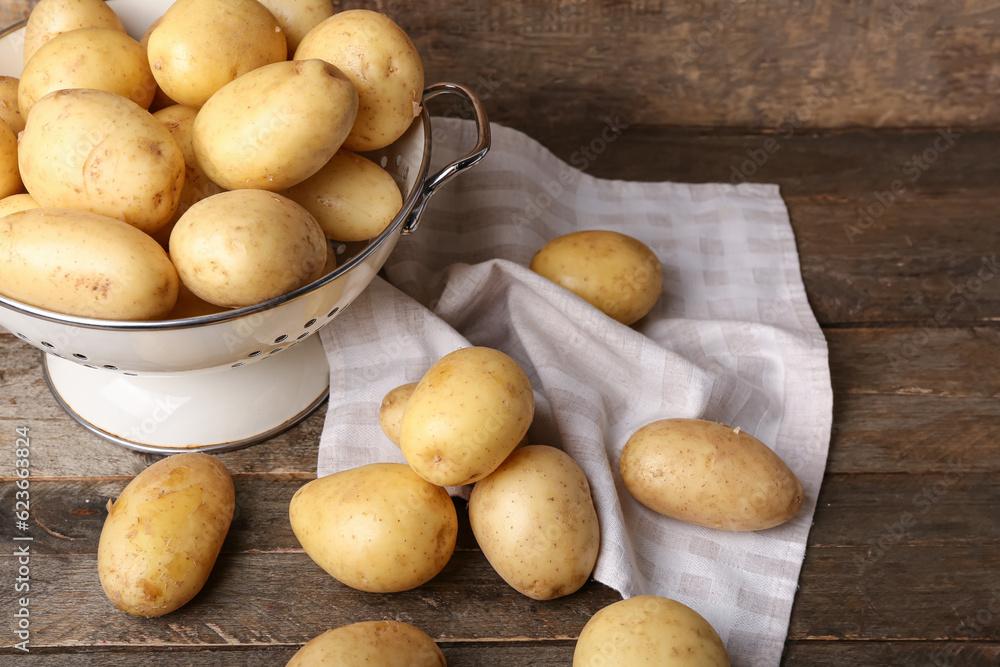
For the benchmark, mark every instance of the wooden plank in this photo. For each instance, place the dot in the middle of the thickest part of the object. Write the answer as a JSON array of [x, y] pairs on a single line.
[[913, 434], [940, 592], [890, 654], [284, 598], [928, 360], [720, 63]]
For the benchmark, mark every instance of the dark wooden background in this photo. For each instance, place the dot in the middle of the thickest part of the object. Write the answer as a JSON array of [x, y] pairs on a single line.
[[855, 98]]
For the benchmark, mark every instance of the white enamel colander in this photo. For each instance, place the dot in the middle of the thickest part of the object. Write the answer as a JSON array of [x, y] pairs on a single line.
[[229, 379]]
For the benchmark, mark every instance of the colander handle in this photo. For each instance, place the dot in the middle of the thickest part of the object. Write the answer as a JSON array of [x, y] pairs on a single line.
[[450, 171]]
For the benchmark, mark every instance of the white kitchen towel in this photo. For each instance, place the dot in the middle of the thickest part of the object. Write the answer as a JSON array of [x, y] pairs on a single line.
[[732, 339]]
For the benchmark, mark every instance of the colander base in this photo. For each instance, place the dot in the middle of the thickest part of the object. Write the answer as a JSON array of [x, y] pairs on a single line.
[[214, 410]]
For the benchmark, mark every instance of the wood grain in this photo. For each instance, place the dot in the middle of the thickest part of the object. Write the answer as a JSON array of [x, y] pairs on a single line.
[[721, 63]]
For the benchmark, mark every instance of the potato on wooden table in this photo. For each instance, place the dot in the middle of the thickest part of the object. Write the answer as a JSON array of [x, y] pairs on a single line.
[[370, 644], [649, 631], [164, 533], [377, 528]]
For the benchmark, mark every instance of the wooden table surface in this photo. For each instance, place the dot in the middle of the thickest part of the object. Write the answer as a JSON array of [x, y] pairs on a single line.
[[902, 565]]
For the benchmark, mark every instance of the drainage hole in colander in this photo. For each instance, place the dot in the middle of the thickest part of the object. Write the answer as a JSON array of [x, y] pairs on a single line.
[[23, 337], [333, 312], [256, 353], [48, 345], [341, 249], [384, 161], [90, 366], [277, 349], [309, 323], [135, 375], [110, 367], [399, 160], [238, 364], [80, 356], [406, 171], [302, 335], [282, 338]]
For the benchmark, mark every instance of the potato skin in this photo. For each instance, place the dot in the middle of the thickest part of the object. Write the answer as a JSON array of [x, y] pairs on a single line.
[[351, 197], [468, 412], [384, 65], [613, 272], [371, 644], [276, 126], [10, 112], [84, 264], [179, 121], [377, 528], [201, 45], [298, 17], [163, 534], [10, 174], [535, 521], [243, 247], [97, 151], [14, 203], [709, 474], [390, 413], [52, 17], [649, 631], [96, 58]]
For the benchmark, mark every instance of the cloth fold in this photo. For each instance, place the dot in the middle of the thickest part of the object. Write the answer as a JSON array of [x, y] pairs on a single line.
[[732, 339]]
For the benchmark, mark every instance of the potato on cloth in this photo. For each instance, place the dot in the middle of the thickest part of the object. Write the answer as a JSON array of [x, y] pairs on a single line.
[[733, 342]]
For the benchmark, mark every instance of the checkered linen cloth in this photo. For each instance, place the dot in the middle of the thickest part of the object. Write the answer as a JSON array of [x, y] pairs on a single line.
[[732, 339]]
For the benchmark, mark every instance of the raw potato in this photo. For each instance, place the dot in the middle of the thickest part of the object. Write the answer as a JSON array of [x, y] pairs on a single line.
[[351, 197], [371, 644], [163, 534], [84, 264], [243, 247], [201, 45], [10, 112], [52, 17], [15, 203], [160, 99], [709, 474], [10, 174], [649, 631], [467, 414], [179, 121], [298, 17], [96, 58], [276, 126], [377, 528], [535, 521], [96, 151], [613, 272], [378, 56], [390, 413]]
